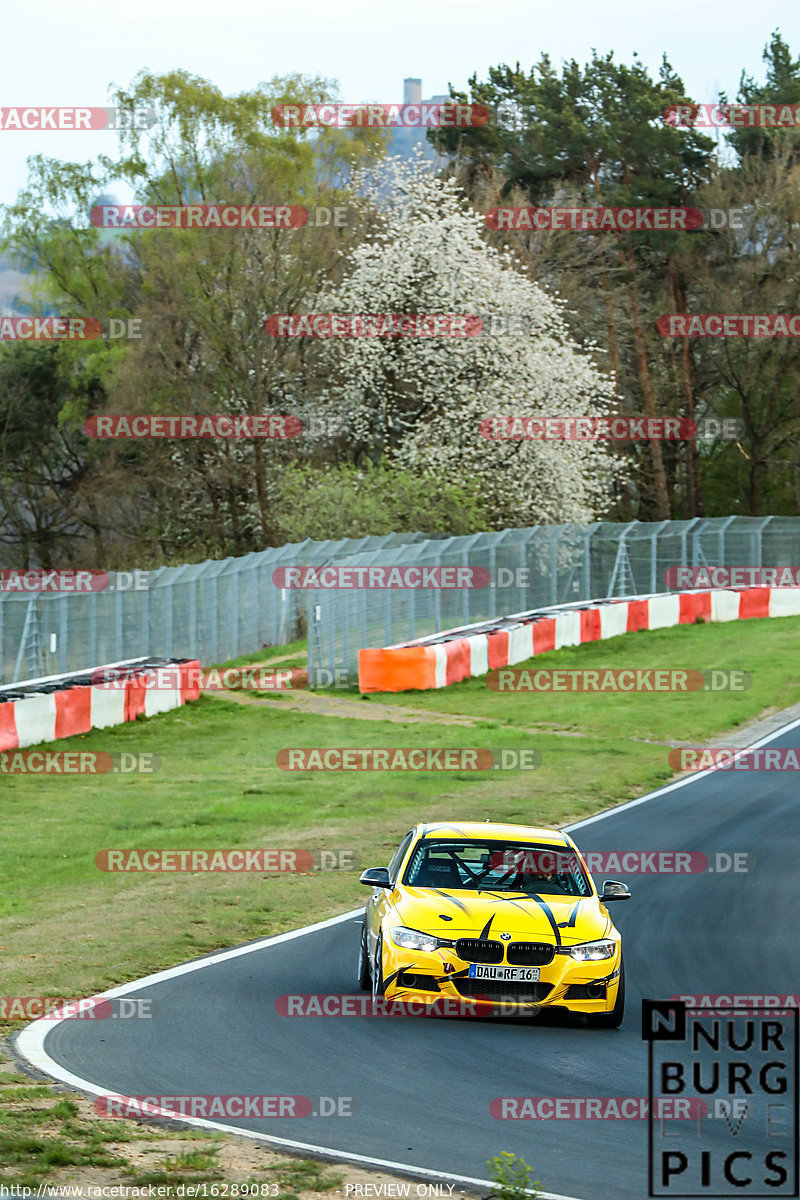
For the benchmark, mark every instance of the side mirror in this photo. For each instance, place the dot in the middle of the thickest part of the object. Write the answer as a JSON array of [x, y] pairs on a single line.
[[376, 877], [614, 890]]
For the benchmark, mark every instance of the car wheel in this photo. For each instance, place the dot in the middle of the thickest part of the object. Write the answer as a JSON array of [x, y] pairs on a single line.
[[378, 988], [364, 977], [613, 1019]]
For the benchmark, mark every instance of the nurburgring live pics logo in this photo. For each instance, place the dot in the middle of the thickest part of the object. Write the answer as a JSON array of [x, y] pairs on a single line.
[[431, 115], [372, 325], [46, 117]]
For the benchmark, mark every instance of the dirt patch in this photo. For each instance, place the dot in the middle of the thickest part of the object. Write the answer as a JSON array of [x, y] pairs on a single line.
[[363, 710]]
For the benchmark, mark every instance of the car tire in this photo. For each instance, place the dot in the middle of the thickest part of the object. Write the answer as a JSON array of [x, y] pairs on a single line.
[[364, 976], [613, 1019], [378, 987]]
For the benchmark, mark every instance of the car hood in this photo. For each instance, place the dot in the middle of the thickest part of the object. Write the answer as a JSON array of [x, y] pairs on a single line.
[[549, 918]]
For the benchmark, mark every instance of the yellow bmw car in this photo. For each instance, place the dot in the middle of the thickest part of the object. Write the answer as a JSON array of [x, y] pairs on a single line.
[[493, 916]]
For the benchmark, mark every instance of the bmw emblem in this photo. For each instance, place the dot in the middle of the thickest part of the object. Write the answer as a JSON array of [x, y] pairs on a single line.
[[505, 937]]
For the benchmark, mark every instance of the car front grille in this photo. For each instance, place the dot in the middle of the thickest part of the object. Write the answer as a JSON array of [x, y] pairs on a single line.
[[530, 954], [503, 989], [475, 950]]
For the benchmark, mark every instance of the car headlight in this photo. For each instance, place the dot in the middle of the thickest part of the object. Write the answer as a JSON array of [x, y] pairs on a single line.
[[590, 951], [413, 939]]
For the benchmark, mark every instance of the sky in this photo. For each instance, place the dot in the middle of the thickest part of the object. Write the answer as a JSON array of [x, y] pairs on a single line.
[[68, 52]]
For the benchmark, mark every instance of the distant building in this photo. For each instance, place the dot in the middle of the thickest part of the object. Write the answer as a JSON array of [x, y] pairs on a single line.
[[405, 141]]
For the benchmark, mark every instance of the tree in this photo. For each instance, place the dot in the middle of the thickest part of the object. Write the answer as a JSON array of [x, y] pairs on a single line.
[[420, 401], [595, 136], [202, 296]]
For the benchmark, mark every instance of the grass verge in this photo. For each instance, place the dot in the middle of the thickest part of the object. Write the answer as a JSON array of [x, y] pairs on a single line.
[[70, 929]]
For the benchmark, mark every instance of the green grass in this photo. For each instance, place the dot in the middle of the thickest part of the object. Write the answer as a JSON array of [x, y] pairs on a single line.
[[767, 649], [34, 1140], [70, 929], [44, 1139]]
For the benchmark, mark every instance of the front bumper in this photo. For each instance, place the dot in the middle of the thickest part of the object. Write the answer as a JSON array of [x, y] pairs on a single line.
[[580, 987]]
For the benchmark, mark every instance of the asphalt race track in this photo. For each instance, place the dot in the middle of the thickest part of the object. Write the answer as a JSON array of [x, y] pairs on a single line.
[[422, 1086]]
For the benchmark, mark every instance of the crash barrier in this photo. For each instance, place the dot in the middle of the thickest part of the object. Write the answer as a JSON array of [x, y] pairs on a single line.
[[458, 654], [43, 710]]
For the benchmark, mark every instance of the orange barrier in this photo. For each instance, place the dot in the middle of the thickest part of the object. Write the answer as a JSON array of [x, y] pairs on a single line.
[[438, 664]]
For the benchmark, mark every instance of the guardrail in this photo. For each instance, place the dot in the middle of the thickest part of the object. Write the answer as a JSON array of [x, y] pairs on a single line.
[[60, 706], [448, 657]]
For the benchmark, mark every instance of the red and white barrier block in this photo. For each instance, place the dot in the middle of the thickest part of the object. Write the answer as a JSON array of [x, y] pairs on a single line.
[[440, 663], [49, 715]]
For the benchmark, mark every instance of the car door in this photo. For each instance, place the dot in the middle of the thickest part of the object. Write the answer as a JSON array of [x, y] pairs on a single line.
[[379, 902]]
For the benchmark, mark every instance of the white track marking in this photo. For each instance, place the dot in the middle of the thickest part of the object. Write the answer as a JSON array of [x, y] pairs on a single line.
[[679, 783], [29, 1043]]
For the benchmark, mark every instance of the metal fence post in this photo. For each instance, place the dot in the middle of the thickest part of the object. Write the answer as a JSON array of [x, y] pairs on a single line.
[[62, 635]]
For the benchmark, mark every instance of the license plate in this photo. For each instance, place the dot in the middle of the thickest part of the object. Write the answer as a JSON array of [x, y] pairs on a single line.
[[505, 974]]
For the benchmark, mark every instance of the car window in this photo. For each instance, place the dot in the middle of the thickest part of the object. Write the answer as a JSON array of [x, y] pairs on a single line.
[[493, 865], [394, 865]]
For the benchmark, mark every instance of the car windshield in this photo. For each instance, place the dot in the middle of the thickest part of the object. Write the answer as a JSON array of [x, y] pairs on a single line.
[[497, 866]]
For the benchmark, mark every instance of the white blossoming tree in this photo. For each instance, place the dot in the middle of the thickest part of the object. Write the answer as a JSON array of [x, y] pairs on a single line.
[[421, 400]]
